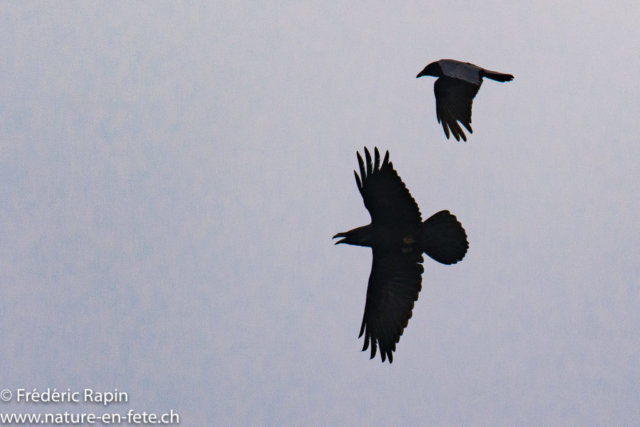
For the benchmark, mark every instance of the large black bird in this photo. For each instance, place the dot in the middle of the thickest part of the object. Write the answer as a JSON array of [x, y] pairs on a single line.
[[397, 237], [457, 85]]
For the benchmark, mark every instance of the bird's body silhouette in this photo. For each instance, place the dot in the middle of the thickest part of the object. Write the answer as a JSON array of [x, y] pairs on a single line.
[[456, 86], [397, 237]]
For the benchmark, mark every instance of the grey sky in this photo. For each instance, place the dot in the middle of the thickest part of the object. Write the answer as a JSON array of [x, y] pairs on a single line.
[[172, 174]]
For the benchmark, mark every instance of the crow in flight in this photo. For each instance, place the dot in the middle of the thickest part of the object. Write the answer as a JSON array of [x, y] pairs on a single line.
[[397, 237], [457, 85]]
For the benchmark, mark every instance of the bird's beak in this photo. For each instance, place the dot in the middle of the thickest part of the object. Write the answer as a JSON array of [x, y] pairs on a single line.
[[421, 74], [340, 235]]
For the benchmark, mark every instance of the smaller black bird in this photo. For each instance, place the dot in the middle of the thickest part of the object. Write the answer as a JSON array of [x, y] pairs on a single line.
[[457, 85], [398, 237]]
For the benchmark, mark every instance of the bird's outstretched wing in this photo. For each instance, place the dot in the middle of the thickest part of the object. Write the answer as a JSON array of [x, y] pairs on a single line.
[[394, 285], [395, 279], [454, 99], [384, 194]]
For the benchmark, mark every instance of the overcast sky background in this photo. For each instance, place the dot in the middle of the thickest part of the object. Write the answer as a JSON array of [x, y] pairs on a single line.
[[171, 174]]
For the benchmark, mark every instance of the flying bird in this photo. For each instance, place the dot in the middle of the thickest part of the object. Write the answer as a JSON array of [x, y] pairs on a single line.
[[457, 85], [397, 237]]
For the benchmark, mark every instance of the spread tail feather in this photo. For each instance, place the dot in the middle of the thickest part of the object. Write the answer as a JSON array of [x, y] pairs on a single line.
[[444, 238], [499, 77]]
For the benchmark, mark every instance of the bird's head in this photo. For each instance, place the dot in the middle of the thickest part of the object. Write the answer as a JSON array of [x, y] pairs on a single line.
[[432, 69], [361, 236]]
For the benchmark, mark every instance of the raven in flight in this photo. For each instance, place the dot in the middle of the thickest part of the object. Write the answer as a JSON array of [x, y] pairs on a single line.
[[397, 237], [457, 85]]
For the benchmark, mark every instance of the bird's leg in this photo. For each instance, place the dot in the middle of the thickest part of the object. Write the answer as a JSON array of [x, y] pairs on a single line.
[[408, 240]]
